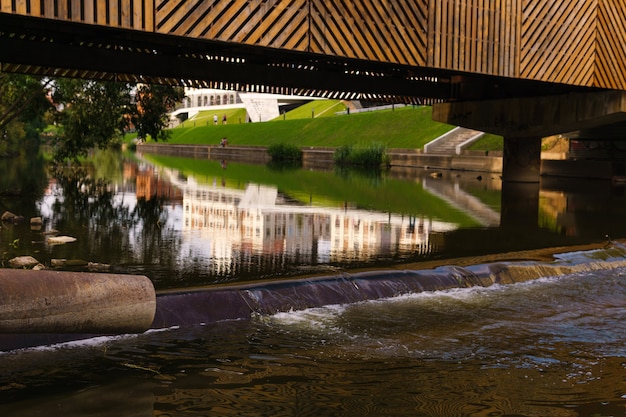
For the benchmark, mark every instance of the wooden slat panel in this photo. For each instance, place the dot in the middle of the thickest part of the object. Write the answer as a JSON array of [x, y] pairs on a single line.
[[610, 69], [126, 16], [149, 15], [170, 13], [328, 24], [62, 9], [474, 35], [88, 11], [6, 6], [137, 17], [580, 42], [391, 31], [382, 30], [48, 9], [75, 10], [558, 41], [114, 13], [34, 8], [20, 6], [101, 12]]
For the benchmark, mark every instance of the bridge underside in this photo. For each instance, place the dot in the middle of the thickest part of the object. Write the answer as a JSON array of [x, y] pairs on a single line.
[[518, 105], [48, 47]]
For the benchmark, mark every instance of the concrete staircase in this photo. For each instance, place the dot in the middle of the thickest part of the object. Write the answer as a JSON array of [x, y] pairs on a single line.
[[452, 142]]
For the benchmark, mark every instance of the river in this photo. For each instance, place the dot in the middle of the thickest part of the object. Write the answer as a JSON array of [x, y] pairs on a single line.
[[551, 346]]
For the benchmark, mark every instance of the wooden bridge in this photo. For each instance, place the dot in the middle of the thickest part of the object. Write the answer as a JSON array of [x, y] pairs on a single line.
[[420, 48], [512, 67]]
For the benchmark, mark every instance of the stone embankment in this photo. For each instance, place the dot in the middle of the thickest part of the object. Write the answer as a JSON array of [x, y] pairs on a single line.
[[316, 156], [552, 164]]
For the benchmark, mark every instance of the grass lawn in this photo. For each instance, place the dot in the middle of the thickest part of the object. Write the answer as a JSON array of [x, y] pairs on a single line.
[[315, 109], [405, 127]]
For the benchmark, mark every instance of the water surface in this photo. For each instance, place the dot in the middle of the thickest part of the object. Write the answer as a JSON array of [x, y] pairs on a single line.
[[553, 346]]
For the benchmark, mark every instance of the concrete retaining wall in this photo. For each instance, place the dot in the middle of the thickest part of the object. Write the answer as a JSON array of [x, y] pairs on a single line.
[[312, 156], [406, 158], [468, 161]]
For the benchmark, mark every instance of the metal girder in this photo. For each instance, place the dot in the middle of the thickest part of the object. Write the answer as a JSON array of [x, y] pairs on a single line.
[[207, 68], [51, 47]]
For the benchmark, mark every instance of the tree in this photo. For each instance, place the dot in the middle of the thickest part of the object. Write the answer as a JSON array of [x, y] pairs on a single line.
[[94, 114], [153, 104], [23, 103]]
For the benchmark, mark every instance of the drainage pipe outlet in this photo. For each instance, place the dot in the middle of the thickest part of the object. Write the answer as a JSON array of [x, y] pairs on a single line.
[[74, 302]]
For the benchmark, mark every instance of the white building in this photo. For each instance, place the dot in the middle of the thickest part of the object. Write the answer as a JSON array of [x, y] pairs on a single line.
[[259, 107]]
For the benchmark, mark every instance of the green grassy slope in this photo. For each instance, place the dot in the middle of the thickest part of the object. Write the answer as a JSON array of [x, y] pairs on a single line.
[[407, 127], [315, 109]]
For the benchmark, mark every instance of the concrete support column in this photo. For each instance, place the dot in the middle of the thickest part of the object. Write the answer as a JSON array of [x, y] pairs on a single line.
[[522, 159], [520, 206]]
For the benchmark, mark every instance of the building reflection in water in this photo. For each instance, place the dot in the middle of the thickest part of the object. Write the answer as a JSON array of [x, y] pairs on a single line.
[[257, 228], [238, 224], [254, 231]]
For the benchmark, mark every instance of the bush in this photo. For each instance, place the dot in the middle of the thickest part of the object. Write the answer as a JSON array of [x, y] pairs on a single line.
[[284, 152], [373, 155], [342, 155]]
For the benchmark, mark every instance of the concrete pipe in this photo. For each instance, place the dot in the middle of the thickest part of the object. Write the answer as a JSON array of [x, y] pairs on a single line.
[[74, 302]]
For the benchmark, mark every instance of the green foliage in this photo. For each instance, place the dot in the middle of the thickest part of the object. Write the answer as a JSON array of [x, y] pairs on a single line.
[[284, 152], [342, 154], [153, 103], [372, 155], [23, 104], [94, 115]]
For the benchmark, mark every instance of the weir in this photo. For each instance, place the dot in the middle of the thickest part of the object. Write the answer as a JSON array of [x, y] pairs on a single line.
[[242, 302]]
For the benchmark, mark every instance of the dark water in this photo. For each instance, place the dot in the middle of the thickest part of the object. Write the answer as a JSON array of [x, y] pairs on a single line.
[[553, 346]]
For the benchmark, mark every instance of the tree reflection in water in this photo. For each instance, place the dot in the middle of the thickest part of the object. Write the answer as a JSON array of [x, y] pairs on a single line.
[[114, 226]]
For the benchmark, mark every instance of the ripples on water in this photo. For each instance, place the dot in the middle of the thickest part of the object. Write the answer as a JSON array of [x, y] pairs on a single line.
[[550, 347]]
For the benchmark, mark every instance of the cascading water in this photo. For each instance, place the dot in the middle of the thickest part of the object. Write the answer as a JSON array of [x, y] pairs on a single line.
[[215, 304], [240, 302]]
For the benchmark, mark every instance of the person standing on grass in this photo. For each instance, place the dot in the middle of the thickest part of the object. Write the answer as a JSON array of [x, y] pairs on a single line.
[[215, 119]]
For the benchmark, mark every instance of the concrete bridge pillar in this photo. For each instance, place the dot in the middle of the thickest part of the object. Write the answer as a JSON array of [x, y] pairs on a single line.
[[523, 121], [522, 159]]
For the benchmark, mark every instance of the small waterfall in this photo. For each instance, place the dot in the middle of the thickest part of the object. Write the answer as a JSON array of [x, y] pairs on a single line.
[[241, 302]]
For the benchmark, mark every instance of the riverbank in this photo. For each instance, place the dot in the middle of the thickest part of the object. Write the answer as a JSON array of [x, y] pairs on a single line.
[[323, 156], [473, 161]]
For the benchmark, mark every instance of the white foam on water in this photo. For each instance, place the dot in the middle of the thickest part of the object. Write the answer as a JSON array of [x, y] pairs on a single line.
[[87, 343], [452, 323]]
